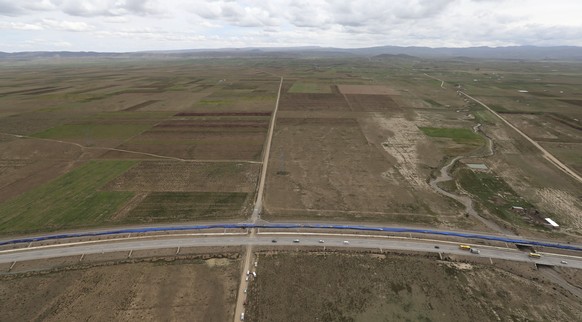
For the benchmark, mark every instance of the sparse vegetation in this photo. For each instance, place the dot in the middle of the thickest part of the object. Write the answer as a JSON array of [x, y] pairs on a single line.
[[304, 87], [493, 193], [93, 131], [459, 135], [189, 206], [73, 200], [342, 287]]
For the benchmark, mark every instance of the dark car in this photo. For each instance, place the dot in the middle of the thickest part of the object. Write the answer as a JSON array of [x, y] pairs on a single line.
[[273, 241]]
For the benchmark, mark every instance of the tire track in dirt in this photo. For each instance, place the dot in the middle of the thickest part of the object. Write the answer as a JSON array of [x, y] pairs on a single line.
[[547, 155], [82, 147]]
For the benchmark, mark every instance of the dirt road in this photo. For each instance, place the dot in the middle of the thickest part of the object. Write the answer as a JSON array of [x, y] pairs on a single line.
[[547, 155], [466, 200], [239, 309]]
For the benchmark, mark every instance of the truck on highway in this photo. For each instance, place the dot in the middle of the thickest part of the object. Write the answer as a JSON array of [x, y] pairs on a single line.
[[464, 247]]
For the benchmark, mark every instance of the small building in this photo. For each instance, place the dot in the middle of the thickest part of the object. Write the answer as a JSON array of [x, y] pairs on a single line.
[[552, 223]]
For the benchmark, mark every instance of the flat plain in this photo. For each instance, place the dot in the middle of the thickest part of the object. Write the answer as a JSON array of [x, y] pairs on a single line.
[[353, 140], [130, 142], [198, 290], [124, 142], [400, 287]]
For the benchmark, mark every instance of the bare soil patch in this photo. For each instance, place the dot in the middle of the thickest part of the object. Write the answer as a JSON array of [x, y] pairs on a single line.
[[367, 90], [544, 127], [176, 290], [371, 103], [343, 287], [338, 175], [313, 102], [199, 140], [187, 177]]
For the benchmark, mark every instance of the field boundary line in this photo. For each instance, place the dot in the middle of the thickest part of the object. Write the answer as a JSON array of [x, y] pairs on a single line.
[[259, 201], [130, 151], [241, 295]]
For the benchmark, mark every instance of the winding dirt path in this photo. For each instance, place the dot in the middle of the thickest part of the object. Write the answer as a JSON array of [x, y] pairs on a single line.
[[466, 201]]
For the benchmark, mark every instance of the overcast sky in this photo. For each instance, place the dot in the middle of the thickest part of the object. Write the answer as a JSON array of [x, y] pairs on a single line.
[[132, 25]]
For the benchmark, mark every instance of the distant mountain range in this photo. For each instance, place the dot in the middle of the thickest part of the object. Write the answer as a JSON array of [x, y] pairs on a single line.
[[513, 53]]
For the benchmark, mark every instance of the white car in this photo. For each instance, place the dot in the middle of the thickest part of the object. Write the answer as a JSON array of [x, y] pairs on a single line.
[[563, 262], [346, 242], [321, 241]]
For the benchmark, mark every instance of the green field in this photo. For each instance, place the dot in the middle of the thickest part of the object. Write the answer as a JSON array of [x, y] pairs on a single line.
[[459, 135], [133, 115], [301, 87], [188, 206], [93, 131], [72, 200], [493, 193]]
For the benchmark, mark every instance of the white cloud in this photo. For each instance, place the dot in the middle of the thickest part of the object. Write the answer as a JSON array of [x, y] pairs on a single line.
[[66, 25], [88, 8], [19, 26], [85, 8], [166, 24]]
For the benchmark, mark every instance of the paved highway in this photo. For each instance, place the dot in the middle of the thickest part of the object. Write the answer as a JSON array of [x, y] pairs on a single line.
[[283, 239]]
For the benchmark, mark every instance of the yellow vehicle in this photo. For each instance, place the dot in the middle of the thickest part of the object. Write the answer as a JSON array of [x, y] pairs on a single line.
[[534, 255], [465, 247]]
